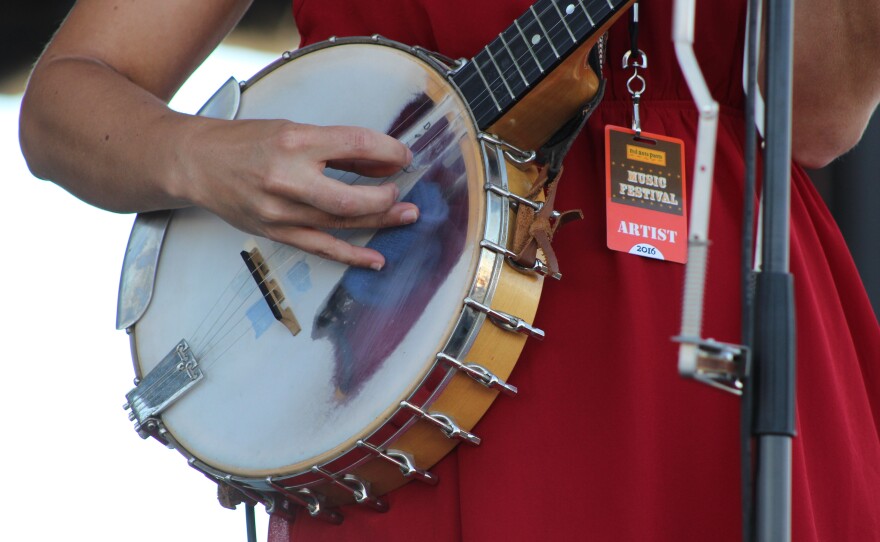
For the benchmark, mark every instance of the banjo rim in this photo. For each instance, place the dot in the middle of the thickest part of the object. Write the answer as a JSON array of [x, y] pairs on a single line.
[[487, 269]]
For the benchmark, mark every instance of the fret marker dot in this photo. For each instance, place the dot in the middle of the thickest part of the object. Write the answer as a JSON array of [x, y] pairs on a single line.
[[535, 39], [569, 9]]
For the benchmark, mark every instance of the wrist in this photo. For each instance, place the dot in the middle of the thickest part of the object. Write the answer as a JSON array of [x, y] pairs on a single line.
[[182, 169]]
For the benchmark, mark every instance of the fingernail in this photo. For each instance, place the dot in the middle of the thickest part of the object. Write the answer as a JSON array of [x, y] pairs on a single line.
[[409, 155], [409, 216], [376, 266]]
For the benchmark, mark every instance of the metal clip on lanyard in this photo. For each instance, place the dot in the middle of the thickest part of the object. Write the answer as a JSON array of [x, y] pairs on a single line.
[[636, 59]]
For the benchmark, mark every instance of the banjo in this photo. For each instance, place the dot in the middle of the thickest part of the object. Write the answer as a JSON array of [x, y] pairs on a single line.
[[294, 381]]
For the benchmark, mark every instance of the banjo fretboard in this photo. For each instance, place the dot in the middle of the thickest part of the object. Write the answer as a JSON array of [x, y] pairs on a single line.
[[520, 57]]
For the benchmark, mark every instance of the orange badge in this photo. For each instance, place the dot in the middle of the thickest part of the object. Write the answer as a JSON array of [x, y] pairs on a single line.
[[646, 200]]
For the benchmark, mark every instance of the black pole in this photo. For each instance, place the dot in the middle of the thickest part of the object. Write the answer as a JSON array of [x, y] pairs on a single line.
[[774, 352], [747, 284]]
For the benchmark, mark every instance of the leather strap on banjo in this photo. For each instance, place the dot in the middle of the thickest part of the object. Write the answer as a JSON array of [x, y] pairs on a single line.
[[534, 230]]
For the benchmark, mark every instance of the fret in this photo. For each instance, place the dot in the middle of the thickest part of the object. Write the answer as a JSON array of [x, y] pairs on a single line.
[[519, 58], [500, 72], [600, 12], [528, 46], [587, 13], [564, 22], [494, 78], [514, 79], [525, 58], [543, 31], [555, 27], [537, 40], [486, 83], [577, 21], [513, 59], [471, 86]]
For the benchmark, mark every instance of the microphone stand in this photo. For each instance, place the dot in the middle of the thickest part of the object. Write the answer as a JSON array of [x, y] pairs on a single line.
[[774, 348], [763, 368]]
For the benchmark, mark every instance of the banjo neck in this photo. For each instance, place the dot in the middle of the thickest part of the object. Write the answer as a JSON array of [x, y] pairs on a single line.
[[534, 77]]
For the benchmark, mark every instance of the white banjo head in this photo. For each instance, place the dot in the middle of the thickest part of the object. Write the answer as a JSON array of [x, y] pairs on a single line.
[[276, 400]]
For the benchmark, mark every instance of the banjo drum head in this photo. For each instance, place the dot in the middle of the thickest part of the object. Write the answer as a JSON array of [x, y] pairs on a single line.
[[276, 400]]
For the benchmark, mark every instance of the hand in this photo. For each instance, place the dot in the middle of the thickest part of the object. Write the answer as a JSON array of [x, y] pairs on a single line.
[[266, 177]]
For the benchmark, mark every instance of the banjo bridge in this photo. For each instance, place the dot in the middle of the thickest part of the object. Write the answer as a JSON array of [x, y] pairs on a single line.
[[272, 294]]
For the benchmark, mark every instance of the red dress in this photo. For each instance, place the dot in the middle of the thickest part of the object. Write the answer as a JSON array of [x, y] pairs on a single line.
[[605, 441]]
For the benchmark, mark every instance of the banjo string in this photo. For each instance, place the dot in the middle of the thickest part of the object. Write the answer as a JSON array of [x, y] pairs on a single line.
[[510, 72], [222, 328], [245, 277], [215, 333]]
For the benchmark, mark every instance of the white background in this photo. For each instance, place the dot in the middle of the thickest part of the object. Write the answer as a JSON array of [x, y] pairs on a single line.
[[72, 465]]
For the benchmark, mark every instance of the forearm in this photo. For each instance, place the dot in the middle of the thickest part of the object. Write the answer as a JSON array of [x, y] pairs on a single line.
[[103, 138], [836, 83], [94, 120]]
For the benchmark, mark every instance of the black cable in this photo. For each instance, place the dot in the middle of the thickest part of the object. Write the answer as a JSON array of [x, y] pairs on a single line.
[[250, 519], [634, 31]]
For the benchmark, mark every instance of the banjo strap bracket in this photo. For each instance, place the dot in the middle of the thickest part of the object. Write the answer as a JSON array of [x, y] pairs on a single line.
[[480, 374], [443, 422], [312, 502], [507, 322], [402, 460], [446, 64], [359, 489]]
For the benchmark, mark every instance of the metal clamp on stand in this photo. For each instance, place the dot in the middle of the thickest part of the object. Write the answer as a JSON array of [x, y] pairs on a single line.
[[720, 365], [716, 364]]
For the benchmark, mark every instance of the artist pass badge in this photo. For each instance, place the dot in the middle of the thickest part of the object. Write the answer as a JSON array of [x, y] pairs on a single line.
[[646, 204]]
